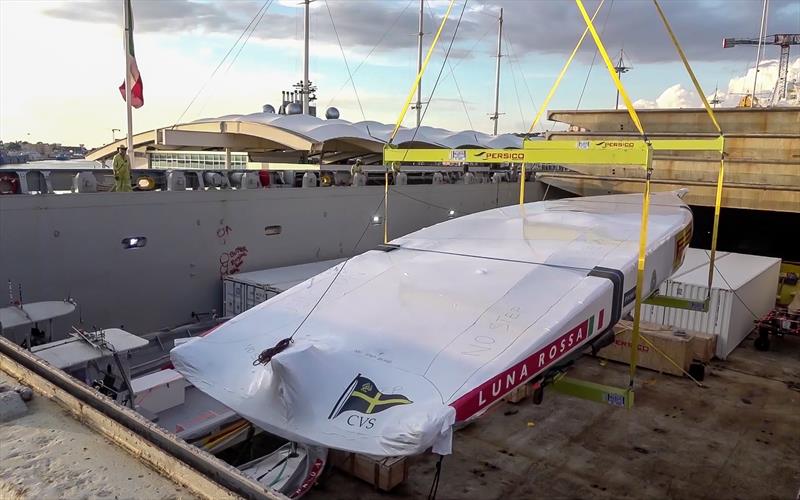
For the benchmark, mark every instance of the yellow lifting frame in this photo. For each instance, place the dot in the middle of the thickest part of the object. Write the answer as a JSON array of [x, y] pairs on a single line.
[[637, 151]]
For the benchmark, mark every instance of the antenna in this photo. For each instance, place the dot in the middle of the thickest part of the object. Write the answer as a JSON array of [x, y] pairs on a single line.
[[620, 68], [715, 100], [496, 115]]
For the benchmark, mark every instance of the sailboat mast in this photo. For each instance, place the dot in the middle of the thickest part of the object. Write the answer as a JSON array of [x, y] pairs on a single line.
[[760, 44], [496, 114], [128, 37], [419, 63], [306, 91]]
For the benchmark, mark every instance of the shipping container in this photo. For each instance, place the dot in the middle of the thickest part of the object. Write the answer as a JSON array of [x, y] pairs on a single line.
[[743, 290], [242, 291]]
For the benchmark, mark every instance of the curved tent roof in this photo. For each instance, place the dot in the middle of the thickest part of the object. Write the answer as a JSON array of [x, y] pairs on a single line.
[[302, 134]]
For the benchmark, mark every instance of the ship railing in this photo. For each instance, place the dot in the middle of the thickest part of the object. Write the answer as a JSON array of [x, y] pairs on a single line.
[[31, 180]]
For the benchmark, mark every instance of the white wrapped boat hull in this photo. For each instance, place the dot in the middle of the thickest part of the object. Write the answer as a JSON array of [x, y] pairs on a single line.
[[391, 348]]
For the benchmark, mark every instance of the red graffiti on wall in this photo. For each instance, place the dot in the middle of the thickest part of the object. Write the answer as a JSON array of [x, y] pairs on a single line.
[[231, 262], [223, 232]]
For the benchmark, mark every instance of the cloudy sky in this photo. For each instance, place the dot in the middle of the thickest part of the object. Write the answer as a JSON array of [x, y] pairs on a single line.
[[62, 61]]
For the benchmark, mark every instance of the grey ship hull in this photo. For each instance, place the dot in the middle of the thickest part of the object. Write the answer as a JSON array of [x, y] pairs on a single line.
[[59, 246]]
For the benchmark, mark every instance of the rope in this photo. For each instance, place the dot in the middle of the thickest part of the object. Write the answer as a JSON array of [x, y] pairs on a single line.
[[420, 73], [347, 66], [437, 475]]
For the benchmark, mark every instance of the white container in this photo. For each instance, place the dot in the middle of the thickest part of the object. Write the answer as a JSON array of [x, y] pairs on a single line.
[[242, 291], [159, 391], [743, 290]]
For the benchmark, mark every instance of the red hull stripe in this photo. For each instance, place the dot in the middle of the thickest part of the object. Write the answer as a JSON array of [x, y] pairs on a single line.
[[501, 384]]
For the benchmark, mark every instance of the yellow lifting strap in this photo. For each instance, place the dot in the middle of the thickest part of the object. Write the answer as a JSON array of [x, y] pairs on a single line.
[[688, 67], [611, 71], [550, 95], [637, 309], [403, 115], [552, 91], [421, 72], [386, 207], [710, 111]]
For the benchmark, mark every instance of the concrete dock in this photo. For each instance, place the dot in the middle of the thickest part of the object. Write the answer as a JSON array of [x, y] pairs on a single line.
[[47, 454], [739, 437]]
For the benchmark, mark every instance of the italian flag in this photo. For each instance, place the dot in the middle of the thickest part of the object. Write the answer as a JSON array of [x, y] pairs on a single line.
[[132, 75]]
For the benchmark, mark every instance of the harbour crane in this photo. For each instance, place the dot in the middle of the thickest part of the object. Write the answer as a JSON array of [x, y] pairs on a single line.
[[784, 41]]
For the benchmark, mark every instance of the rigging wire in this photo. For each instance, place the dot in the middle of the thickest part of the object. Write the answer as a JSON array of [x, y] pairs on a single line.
[[380, 40], [441, 69], [453, 74], [347, 66], [469, 51], [241, 47], [248, 37], [514, 58], [213, 73], [516, 90], [594, 57]]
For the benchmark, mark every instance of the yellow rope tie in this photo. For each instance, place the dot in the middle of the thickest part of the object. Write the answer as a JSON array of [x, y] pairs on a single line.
[[421, 72], [610, 65], [550, 95]]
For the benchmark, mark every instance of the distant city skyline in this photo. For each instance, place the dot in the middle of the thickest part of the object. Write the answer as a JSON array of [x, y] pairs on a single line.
[[61, 62]]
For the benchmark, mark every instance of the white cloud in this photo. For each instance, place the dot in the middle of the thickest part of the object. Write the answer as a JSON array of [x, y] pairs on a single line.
[[767, 78], [677, 96], [674, 97]]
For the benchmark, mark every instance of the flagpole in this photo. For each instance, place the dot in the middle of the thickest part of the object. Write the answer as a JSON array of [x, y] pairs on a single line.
[[128, 35]]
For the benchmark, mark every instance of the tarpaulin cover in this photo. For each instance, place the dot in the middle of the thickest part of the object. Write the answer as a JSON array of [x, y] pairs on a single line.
[[391, 348]]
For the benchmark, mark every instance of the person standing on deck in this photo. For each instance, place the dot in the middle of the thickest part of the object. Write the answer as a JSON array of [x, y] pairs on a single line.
[[122, 170]]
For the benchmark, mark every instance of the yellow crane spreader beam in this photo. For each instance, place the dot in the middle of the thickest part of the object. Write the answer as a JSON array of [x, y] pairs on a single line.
[[565, 152]]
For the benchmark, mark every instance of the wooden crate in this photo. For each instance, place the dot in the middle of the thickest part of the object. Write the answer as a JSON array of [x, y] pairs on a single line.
[[677, 347], [519, 394], [384, 473]]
